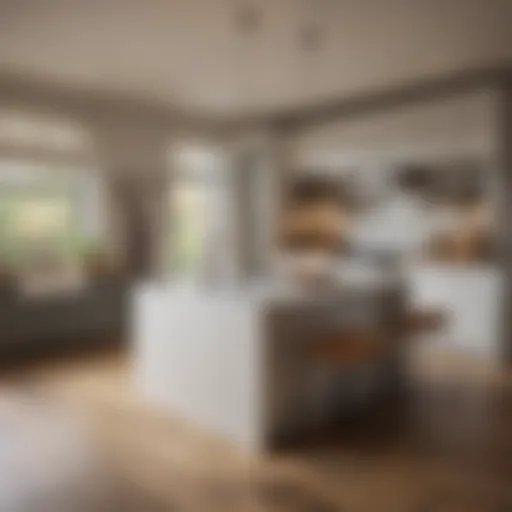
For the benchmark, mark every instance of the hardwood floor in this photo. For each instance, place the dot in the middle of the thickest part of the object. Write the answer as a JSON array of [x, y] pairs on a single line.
[[74, 437]]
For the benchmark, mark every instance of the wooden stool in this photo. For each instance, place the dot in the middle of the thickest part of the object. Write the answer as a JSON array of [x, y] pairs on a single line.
[[356, 347]]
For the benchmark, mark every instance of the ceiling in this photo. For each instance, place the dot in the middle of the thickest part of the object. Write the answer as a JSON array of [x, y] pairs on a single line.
[[195, 55]]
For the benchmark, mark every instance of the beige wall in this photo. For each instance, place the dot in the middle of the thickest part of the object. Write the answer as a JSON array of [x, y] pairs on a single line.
[[462, 125]]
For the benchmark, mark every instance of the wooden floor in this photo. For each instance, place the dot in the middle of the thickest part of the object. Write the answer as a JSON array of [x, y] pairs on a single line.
[[74, 437]]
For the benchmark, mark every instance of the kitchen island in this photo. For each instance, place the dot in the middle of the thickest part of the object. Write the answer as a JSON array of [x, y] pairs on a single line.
[[239, 361]]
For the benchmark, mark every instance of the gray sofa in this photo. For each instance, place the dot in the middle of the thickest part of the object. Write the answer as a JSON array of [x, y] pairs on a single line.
[[95, 314]]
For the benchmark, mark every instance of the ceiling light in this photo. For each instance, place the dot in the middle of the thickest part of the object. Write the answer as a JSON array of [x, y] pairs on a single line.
[[247, 18]]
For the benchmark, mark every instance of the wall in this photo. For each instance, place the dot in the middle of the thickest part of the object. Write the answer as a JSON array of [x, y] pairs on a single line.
[[371, 148], [461, 125]]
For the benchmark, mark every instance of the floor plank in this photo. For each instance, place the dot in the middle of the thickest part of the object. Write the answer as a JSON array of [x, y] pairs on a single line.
[[75, 437]]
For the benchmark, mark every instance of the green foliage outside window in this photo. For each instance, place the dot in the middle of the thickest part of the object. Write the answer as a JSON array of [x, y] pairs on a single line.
[[39, 221]]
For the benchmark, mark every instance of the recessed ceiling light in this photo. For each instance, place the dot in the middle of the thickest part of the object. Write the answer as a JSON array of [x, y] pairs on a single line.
[[247, 18]]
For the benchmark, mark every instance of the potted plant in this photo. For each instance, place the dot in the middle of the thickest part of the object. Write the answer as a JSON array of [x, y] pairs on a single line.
[[96, 262], [7, 274]]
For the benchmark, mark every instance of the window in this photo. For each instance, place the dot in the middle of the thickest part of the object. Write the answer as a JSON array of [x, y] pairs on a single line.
[[197, 211], [189, 217], [44, 219]]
